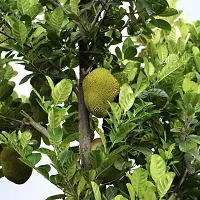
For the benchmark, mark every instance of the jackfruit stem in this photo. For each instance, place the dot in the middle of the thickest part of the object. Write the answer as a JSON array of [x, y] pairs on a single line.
[[84, 129]]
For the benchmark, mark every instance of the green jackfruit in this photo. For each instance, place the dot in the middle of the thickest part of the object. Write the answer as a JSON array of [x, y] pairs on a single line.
[[14, 169], [99, 88]]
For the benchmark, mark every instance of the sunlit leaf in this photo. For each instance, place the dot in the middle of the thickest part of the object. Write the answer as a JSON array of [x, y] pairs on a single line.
[[126, 97], [138, 180], [61, 91], [54, 118], [162, 52], [157, 167], [23, 6], [96, 191], [24, 138], [164, 183], [131, 191]]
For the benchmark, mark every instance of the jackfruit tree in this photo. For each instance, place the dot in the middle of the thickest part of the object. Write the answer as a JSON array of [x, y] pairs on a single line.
[[114, 102]]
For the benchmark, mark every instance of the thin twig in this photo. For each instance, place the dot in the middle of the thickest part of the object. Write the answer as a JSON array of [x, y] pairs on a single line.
[[97, 17], [75, 89], [34, 124]]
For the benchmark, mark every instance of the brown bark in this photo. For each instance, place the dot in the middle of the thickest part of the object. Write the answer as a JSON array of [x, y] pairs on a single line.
[[84, 129]]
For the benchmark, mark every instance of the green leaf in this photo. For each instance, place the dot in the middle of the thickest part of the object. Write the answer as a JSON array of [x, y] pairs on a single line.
[[9, 72], [20, 32], [131, 70], [44, 170], [103, 138], [138, 180], [116, 111], [118, 135], [54, 118], [24, 138], [162, 52], [169, 12], [57, 196], [197, 61], [118, 53], [81, 185], [181, 45], [68, 158], [118, 150], [34, 10], [188, 145], [149, 68], [120, 197], [145, 150], [34, 158], [66, 142], [74, 6], [46, 151], [195, 50], [169, 69], [23, 6], [3, 139], [96, 158], [130, 53], [55, 135], [131, 191], [70, 171], [160, 23], [61, 91], [96, 191], [103, 168], [149, 194], [51, 84], [57, 18], [127, 43], [155, 92], [164, 183], [5, 91], [195, 138], [27, 162], [126, 97], [175, 33], [189, 85], [111, 192], [157, 167]]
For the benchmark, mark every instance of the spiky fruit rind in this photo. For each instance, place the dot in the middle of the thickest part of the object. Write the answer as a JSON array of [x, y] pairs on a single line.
[[99, 88], [13, 168]]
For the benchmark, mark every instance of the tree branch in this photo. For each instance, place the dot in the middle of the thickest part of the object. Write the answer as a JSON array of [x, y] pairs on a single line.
[[97, 16], [178, 186], [34, 124]]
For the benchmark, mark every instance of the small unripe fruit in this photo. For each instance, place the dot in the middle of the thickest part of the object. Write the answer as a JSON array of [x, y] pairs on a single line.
[[96, 143]]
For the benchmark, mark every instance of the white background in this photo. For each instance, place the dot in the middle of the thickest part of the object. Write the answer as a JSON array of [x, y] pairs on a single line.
[[37, 187]]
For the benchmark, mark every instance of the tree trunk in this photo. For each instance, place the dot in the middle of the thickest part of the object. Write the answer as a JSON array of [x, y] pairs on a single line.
[[84, 129]]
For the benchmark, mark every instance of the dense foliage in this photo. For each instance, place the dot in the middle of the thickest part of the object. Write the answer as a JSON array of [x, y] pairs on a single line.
[[150, 138]]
